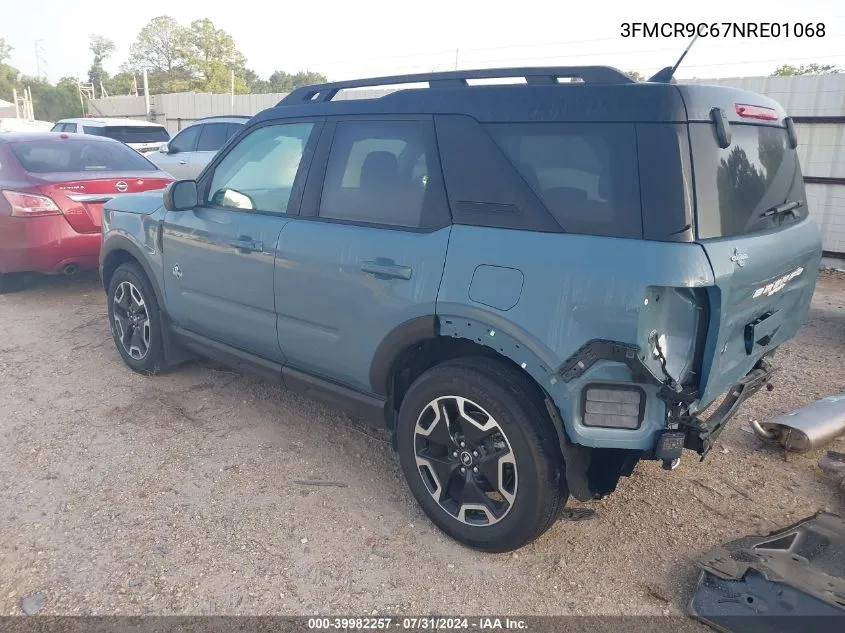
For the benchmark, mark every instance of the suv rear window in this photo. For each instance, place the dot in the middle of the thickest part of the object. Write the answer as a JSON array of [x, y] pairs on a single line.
[[737, 185], [134, 134], [65, 155], [584, 173]]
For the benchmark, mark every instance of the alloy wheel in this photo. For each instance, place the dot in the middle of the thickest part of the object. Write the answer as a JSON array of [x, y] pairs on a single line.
[[131, 320], [465, 460]]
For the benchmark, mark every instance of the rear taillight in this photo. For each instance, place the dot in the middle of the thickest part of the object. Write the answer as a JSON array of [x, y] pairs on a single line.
[[755, 112], [28, 205]]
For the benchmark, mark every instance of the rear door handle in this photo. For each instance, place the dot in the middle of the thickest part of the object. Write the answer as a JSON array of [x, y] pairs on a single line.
[[182, 162], [386, 269], [247, 245]]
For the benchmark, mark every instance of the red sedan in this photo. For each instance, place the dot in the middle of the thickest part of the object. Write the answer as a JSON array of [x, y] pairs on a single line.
[[52, 190]]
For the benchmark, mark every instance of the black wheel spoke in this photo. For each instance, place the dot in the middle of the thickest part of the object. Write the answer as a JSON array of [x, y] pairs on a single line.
[[488, 468], [474, 494], [470, 422], [444, 469], [136, 340], [440, 431]]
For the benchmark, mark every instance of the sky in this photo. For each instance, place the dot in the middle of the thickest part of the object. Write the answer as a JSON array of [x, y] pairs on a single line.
[[375, 37]]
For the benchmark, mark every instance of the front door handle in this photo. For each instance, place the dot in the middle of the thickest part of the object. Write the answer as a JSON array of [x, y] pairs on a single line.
[[246, 245], [182, 162], [386, 269]]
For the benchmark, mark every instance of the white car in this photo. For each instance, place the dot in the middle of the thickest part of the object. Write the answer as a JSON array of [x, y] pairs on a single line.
[[10, 124], [187, 153], [142, 136]]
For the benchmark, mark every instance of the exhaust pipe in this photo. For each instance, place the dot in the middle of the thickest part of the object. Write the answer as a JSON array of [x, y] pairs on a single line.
[[70, 270], [807, 428]]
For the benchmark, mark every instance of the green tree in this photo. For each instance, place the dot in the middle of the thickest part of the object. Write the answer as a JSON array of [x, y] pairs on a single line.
[[8, 81], [213, 56], [53, 102], [254, 83], [5, 51], [281, 81], [102, 48], [162, 47], [123, 83], [787, 70], [635, 75]]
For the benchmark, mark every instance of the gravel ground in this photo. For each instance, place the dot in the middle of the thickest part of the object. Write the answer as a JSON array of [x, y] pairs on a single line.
[[179, 494]]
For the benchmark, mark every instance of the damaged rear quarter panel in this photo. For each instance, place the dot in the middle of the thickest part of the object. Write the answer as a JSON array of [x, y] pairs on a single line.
[[576, 288]]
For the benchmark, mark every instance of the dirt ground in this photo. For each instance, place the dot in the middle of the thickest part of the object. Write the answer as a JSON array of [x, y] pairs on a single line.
[[179, 494]]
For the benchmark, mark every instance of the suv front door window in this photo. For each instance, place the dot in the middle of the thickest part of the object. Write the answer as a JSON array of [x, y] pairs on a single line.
[[224, 248]]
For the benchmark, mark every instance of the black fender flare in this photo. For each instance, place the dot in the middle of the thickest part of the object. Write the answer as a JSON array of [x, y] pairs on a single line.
[[121, 243], [411, 332]]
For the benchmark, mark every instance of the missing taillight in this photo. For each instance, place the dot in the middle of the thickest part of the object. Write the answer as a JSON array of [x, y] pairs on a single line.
[[30, 205], [756, 112]]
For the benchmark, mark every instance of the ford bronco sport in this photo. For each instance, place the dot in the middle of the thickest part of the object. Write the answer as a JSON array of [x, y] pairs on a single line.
[[532, 286]]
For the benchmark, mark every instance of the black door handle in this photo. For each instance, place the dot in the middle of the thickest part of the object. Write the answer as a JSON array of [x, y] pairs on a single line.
[[386, 269], [247, 245]]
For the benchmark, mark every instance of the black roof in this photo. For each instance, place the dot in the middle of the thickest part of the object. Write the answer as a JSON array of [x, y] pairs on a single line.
[[603, 94]]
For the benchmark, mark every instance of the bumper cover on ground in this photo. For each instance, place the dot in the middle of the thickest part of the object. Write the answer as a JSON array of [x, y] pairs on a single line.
[[791, 580]]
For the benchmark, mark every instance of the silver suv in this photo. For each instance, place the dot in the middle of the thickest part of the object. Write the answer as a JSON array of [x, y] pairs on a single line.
[[187, 153]]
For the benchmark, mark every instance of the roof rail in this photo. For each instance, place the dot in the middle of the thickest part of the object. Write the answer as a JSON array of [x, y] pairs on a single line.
[[458, 78], [222, 116]]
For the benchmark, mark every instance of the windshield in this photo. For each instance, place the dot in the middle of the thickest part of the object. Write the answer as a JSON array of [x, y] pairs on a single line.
[[739, 189], [67, 155], [132, 133]]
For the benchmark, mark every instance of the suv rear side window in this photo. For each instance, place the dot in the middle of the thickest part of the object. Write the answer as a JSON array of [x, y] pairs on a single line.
[[212, 137], [584, 173], [737, 185], [377, 173]]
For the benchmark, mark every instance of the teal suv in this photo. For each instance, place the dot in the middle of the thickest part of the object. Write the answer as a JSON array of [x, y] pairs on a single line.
[[532, 285]]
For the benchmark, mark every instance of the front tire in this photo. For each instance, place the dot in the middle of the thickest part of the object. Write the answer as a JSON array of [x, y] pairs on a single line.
[[479, 453], [135, 319]]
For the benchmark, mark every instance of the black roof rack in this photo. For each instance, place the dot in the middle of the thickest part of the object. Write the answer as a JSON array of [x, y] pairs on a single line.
[[458, 78], [223, 116]]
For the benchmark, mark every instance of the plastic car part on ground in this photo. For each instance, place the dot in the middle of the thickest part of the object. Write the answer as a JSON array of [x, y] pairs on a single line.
[[791, 580], [807, 428]]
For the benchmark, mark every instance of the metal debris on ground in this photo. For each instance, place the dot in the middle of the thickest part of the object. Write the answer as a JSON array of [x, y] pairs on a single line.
[[320, 482], [807, 428], [798, 571], [577, 514]]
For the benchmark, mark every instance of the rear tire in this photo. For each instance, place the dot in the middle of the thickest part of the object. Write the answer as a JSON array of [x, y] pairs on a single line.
[[135, 319], [485, 417]]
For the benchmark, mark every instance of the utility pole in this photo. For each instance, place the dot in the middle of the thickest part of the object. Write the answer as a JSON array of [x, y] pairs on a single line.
[[31, 104], [17, 105], [232, 98], [146, 94], [457, 52], [40, 71]]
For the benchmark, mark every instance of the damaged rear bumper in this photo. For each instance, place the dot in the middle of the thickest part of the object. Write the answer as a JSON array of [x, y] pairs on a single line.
[[699, 434]]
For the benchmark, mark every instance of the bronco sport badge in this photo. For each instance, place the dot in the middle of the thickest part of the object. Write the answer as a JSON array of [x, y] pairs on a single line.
[[777, 284]]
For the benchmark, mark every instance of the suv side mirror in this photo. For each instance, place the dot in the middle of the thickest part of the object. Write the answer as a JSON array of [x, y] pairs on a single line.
[[164, 149], [181, 195]]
